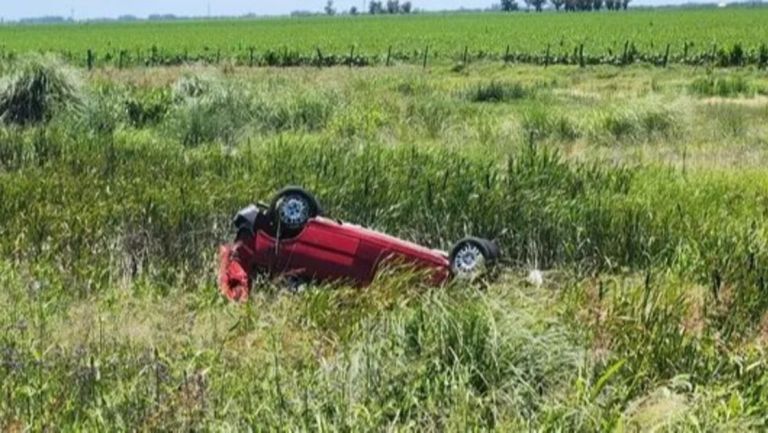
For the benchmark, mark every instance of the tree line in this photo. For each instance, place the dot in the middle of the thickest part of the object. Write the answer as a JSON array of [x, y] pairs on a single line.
[[375, 8], [567, 5], [380, 7]]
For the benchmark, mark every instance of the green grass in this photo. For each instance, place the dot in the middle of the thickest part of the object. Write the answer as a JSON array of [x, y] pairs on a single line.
[[722, 86], [644, 205], [710, 36]]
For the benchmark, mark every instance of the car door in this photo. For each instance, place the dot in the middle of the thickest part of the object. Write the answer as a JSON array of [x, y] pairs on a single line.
[[322, 250]]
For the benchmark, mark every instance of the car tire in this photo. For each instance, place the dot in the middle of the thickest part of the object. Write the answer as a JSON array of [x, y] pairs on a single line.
[[472, 258], [292, 208]]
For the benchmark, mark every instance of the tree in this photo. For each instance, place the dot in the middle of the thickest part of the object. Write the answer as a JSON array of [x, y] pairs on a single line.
[[393, 6], [508, 5], [406, 7], [625, 3], [597, 5], [375, 7], [353, 11], [537, 4], [558, 4], [329, 10]]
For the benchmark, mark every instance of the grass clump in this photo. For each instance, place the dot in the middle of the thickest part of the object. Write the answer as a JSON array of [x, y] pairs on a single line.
[[149, 107], [496, 91], [728, 120], [619, 125], [658, 123], [308, 111], [635, 125], [207, 111], [37, 88], [539, 123], [192, 86], [354, 122], [433, 115], [103, 110], [413, 86], [724, 87]]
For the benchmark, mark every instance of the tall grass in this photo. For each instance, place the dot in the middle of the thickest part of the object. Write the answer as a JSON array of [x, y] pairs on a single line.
[[410, 359], [36, 89], [651, 313], [726, 86], [497, 92], [646, 124]]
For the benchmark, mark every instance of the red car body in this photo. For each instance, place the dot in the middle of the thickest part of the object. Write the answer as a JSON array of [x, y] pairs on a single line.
[[324, 250]]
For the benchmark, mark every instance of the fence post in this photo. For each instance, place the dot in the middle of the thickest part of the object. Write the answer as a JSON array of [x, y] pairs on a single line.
[[581, 55], [89, 59], [666, 56], [319, 58], [351, 55], [389, 54], [426, 55], [250, 56], [546, 57], [466, 52], [624, 56], [506, 55]]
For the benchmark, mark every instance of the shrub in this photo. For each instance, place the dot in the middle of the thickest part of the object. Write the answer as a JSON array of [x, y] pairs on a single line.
[[37, 88]]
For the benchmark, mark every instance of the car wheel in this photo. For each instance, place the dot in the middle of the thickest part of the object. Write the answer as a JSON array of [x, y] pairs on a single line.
[[293, 207], [472, 258]]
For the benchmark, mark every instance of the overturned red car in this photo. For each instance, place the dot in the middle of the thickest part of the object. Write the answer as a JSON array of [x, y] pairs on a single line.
[[291, 237]]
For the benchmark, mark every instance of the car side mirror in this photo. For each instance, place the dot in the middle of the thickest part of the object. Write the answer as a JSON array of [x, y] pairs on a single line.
[[246, 218]]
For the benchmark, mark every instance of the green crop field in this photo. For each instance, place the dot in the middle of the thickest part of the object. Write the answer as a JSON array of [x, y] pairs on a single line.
[[638, 193], [695, 36]]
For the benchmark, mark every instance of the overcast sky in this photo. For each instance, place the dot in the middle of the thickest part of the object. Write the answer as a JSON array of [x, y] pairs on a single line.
[[15, 9]]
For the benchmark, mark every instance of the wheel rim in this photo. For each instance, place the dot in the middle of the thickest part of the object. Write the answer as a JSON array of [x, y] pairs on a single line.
[[294, 211], [468, 261]]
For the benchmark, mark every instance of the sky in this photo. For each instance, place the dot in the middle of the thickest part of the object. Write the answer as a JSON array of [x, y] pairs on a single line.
[[15, 9]]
